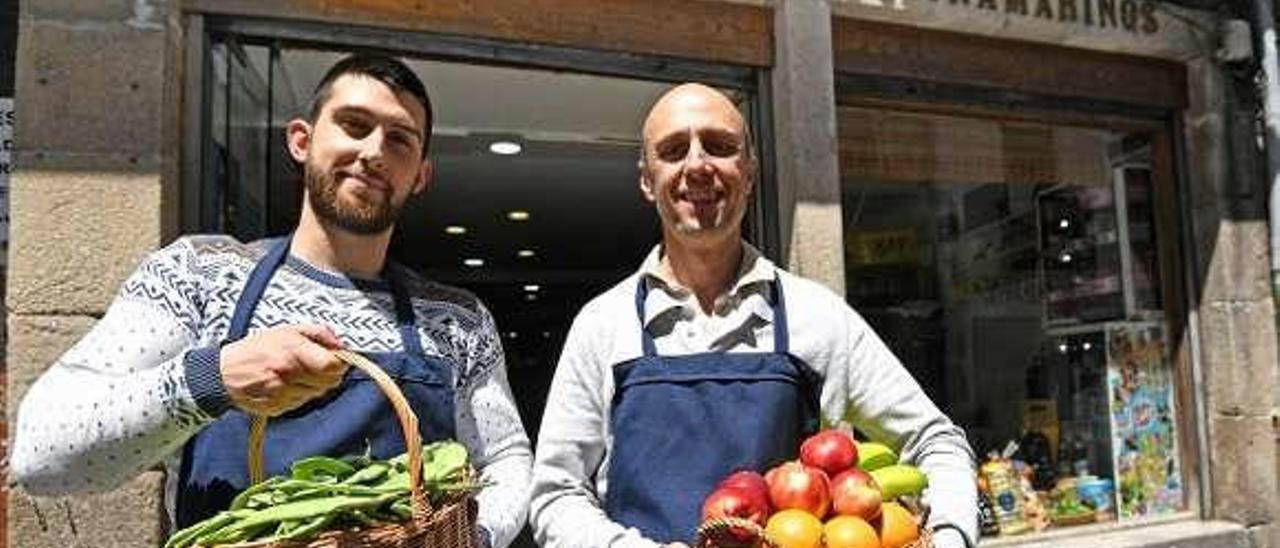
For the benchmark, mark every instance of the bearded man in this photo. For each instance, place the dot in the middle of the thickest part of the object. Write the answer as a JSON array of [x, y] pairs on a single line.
[[210, 331]]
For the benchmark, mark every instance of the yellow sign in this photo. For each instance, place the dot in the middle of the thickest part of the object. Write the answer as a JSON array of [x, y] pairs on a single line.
[[884, 247]]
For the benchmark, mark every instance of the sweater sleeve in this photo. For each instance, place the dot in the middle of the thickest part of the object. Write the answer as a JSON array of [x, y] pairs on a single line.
[[886, 403], [489, 426], [118, 401], [565, 510]]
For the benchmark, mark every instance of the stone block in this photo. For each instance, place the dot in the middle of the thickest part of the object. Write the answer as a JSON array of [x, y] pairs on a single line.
[[1265, 536], [129, 12], [35, 342], [1238, 349], [89, 88], [1245, 488], [816, 250], [75, 235], [132, 515], [1237, 268]]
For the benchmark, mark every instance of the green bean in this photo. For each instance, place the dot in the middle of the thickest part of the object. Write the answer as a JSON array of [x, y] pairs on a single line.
[[243, 498], [306, 509], [373, 472], [323, 469], [310, 528], [184, 537]]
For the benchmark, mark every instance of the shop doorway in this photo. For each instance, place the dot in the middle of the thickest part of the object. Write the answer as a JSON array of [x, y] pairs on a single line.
[[535, 205]]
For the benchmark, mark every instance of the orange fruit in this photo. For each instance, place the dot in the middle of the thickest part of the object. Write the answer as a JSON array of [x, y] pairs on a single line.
[[898, 527], [850, 532], [795, 528]]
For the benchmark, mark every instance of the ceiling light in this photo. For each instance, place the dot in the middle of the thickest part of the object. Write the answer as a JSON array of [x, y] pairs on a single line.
[[530, 296], [525, 253], [532, 288], [455, 229], [1064, 223], [518, 215], [505, 148], [473, 263], [512, 334]]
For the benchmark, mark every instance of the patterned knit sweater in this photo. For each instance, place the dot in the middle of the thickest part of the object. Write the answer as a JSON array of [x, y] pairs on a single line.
[[145, 378]]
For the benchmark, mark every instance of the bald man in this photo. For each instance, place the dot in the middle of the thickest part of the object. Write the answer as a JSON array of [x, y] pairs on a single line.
[[711, 359]]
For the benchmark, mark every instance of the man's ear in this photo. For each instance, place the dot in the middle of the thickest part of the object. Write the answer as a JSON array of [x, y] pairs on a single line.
[[297, 134], [646, 184], [426, 173]]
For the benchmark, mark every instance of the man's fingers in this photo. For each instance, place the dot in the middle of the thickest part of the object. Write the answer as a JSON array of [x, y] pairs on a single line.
[[320, 334]]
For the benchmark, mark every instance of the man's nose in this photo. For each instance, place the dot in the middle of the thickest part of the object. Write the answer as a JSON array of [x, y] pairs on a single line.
[[371, 147], [696, 161]]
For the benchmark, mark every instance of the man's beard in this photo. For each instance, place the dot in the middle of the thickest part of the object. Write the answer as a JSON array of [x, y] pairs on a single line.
[[364, 218]]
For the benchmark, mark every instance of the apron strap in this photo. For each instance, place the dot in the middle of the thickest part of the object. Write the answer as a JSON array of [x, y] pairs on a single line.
[[646, 340], [255, 287], [781, 337], [405, 318]]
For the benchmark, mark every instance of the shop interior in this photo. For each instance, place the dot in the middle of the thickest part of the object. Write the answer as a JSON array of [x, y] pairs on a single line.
[[1012, 266]]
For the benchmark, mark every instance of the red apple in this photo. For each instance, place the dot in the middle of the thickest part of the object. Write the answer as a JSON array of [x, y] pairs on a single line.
[[794, 485], [831, 450], [747, 479], [854, 493], [738, 502]]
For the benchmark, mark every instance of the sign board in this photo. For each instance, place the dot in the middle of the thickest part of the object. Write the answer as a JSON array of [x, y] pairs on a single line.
[[1145, 28]]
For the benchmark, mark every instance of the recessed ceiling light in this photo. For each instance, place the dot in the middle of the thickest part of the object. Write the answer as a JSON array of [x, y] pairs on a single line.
[[518, 215], [473, 263], [512, 334], [532, 288], [455, 229], [505, 148], [525, 253], [530, 296]]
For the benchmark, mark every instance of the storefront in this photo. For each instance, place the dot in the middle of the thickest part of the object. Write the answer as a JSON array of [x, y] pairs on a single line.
[[1030, 200]]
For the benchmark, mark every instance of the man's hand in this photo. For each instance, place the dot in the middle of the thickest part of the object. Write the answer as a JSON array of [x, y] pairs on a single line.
[[279, 369]]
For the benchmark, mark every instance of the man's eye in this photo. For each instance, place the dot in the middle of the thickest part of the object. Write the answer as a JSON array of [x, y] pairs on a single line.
[[400, 139], [720, 148], [355, 128], [673, 152]]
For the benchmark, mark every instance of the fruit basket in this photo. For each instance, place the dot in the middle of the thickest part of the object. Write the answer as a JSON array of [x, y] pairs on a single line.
[[443, 517], [839, 494]]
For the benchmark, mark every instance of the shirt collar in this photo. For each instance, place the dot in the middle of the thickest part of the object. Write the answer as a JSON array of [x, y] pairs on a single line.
[[754, 274]]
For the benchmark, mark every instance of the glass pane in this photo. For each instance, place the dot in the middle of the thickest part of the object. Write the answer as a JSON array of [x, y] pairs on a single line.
[[1012, 268]]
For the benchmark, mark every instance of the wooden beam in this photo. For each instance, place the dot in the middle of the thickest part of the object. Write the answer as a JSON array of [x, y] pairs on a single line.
[[705, 30], [880, 49]]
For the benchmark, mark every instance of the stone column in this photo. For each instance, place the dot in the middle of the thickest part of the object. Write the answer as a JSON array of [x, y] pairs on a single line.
[[1238, 338], [90, 95], [804, 127]]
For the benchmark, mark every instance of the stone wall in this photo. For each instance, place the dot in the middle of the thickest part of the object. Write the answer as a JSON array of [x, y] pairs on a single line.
[[86, 202], [1237, 333]]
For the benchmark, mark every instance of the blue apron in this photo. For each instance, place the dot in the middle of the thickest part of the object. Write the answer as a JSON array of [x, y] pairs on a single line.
[[348, 420], [682, 423]]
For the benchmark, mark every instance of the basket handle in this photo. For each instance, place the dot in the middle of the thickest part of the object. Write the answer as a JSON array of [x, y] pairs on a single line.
[[712, 532], [408, 423]]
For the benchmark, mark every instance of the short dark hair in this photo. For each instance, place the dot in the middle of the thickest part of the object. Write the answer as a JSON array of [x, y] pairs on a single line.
[[383, 68]]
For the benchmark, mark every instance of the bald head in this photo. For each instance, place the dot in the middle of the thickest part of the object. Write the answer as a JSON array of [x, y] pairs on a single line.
[[695, 103]]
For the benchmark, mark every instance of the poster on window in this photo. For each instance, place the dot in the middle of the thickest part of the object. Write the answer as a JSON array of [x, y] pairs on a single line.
[[6, 167], [1144, 435]]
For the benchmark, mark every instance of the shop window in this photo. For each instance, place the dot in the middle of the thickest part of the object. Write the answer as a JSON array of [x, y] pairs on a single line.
[[1012, 266]]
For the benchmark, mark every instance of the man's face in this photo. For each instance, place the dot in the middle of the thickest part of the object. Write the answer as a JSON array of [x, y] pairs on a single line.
[[363, 156], [697, 168]]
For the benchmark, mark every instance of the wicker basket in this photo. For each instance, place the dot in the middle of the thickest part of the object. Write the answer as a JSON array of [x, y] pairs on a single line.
[[451, 525], [743, 533]]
